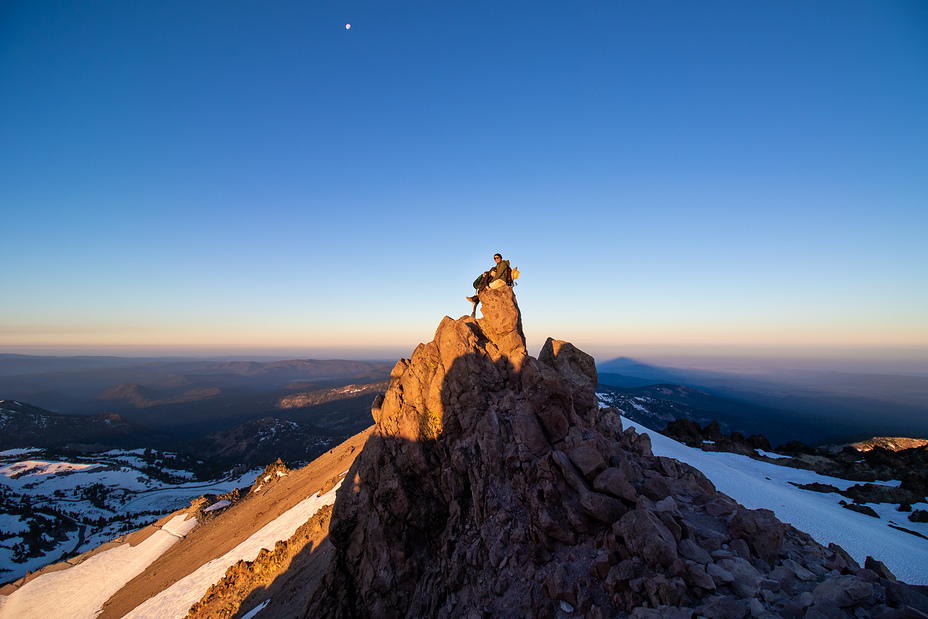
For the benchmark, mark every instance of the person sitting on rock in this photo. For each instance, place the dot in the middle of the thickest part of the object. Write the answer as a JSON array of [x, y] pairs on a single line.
[[497, 277]]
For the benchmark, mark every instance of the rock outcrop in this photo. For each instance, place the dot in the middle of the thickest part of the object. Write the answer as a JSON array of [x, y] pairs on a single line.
[[272, 472], [711, 438], [493, 485]]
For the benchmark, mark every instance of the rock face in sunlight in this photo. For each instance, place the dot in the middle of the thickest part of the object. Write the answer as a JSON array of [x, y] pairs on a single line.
[[493, 485]]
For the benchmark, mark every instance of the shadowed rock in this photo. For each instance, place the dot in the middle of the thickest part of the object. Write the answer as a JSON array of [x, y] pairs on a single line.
[[493, 485]]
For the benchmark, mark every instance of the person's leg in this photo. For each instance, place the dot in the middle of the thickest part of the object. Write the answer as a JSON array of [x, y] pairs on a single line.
[[481, 284]]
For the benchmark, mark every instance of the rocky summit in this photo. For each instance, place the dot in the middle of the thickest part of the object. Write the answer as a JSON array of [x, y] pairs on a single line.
[[494, 486]]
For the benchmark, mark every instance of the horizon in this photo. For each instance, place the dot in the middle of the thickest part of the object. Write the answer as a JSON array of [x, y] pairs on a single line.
[[723, 360], [684, 180]]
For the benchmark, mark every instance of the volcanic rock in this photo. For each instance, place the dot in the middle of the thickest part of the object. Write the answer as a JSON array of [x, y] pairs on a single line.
[[878, 568], [493, 485], [711, 438], [860, 509], [919, 515]]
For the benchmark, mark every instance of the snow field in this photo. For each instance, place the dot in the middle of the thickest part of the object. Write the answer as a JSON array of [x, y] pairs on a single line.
[[13, 524], [62, 486], [79, 592], [757, 485]]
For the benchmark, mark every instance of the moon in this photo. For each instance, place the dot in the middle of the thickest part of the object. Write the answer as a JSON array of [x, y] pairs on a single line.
[[347, 26]]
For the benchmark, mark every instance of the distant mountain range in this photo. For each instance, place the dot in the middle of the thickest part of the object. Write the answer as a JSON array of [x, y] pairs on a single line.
[[170, 403], [78, 384], [167, 401]]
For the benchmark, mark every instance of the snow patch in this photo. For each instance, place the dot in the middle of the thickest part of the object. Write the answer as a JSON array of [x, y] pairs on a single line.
[[177, 599], [79, 592], [254, 611], [179, 527], [217, 505], [770, 454], [38, 467]]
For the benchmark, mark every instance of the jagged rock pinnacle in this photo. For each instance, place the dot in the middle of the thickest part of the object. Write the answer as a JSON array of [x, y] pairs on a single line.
[[494, 485], [502, 324]]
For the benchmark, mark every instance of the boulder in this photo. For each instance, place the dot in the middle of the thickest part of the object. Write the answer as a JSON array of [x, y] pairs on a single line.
[[696, 576], [719, 607], [720, 575], [760, 529], [839, 560], [825, 610], [578, 370], [588, 460], [878, 568], [843, 591], [919, 515], [692, 551], [647, 537], [613, 481], [860, 509]]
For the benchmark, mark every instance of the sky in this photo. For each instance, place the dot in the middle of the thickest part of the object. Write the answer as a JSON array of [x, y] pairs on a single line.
[[257, 178]]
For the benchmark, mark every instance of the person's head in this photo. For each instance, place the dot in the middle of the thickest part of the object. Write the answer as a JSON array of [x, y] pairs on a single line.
[[497, 257]]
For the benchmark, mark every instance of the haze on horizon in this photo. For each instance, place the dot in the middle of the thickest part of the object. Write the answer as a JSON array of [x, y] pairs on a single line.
[[734, 179]]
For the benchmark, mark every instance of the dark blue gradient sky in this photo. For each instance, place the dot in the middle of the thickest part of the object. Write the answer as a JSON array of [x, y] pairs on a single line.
[[244, 176]]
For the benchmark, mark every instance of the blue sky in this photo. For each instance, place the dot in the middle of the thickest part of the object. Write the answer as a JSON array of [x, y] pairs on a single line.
[[256, 178]]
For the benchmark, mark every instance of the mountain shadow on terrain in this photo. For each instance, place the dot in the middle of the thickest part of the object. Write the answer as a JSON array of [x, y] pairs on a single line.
[[656, 405], [24, 425], [817, 406], [494, 485]]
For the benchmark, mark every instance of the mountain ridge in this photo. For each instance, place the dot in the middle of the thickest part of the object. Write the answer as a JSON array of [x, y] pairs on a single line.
[[494, 485]]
